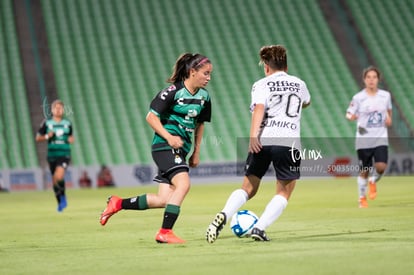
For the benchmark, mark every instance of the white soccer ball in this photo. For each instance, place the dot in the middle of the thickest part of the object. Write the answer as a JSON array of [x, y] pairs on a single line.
[[243, 222]]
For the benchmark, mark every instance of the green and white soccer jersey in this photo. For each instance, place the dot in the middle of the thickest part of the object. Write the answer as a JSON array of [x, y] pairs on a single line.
[[58, 145], [179, 112]]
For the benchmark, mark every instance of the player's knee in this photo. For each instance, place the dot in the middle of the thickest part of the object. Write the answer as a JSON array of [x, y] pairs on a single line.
[[159, 201], [380, 167], [251, 185], [162, 203], [59, 176]]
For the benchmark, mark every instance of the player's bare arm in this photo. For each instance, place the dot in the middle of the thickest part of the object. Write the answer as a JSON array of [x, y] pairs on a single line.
[[257, 116], [306, 104], [155, 123], [194, 160], [388, 119], [351, 117]]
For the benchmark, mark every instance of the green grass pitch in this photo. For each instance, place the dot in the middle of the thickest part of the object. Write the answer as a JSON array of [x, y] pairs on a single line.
[[322, 231]]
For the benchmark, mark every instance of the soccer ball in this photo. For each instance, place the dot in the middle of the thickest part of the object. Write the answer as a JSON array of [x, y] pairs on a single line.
[[243, 222]]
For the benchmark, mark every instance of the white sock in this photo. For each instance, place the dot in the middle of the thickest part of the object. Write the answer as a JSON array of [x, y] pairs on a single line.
[[362, 186], [272, 212], [376, 176], [234, 202]]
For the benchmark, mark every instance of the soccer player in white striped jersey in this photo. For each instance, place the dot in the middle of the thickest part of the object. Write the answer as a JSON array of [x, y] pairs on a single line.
[[277, 102], [372, 109]]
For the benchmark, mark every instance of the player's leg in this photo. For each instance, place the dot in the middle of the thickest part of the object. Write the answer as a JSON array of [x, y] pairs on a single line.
[[57, 170], [381, 160], [165, 161], [159, 200], [141, 202], [150, 200], [365, 165], [240, 196], [181, 182], [236, 199], [250, 185], [256, 167], [173, 167], [287, 172], [52, 167], [59, 187], [273, 209]]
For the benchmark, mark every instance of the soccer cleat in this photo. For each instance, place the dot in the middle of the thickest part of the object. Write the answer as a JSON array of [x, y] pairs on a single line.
[[259, 235], [62, 203], [114, 205], [167, 236], [363, 202], [372, 189], [215, 227]]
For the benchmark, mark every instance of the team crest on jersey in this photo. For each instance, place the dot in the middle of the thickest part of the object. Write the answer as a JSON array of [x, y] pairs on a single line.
[[375, 119], [59, 132], [178, 159], [171, 88]]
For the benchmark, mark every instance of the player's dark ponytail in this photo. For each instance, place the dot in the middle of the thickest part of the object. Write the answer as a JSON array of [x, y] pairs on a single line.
[[184, 63]]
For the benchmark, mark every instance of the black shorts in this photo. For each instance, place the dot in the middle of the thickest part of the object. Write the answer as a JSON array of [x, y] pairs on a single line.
[[286, 166], [378, 154], [169, 163], [59, 161]]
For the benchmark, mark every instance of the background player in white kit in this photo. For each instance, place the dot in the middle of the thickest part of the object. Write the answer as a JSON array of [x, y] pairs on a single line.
[[277, 102], [372, 110]]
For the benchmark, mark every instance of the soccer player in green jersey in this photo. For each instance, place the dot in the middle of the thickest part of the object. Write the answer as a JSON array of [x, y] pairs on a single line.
[[177, 113], [58, 133]]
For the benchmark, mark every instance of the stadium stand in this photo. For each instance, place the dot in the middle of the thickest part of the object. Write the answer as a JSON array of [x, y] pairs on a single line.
[[387, 28], [111, 57], [94, 76], [17, 148]]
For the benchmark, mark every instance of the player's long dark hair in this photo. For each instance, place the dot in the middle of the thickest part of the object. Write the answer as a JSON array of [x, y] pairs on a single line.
[[184, 63]]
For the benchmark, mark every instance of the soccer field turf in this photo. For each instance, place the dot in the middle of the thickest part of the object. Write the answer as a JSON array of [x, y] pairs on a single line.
[[322, 231]]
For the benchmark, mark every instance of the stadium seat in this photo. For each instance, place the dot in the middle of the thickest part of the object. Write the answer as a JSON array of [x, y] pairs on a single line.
[[112, 57], [387, 29], [16, 135]]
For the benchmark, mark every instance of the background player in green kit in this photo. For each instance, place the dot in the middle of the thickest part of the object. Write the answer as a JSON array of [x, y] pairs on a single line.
[[176, 114], [58, 133]]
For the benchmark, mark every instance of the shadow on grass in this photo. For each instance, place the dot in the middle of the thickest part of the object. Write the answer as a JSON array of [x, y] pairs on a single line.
[[328, 235]]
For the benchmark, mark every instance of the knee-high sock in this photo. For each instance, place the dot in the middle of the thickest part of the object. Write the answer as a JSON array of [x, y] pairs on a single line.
[[362, 186], [59, 189], [272, 212], [171, 214], [234, 202], [376, 176], [135, 203]]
